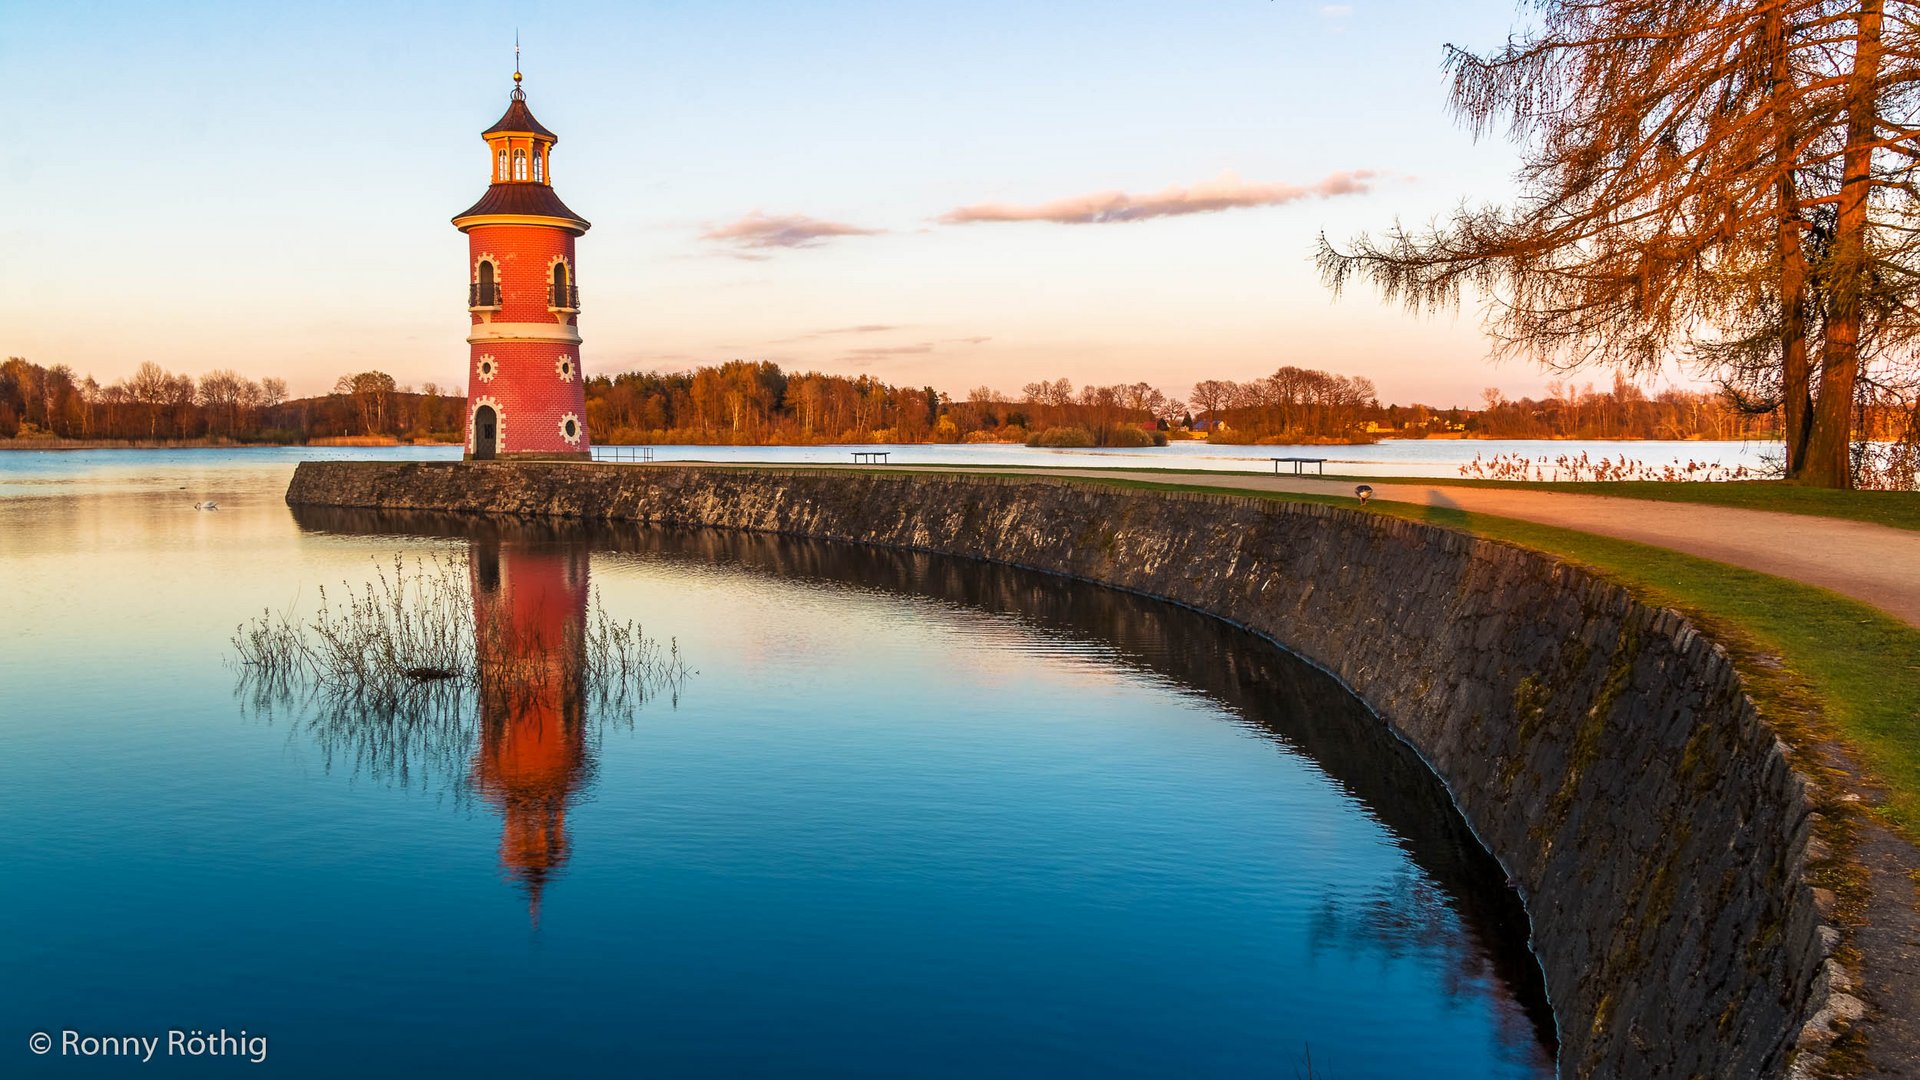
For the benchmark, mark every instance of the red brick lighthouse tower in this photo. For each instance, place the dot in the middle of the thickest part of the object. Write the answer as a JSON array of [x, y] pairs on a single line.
[[525, 394]]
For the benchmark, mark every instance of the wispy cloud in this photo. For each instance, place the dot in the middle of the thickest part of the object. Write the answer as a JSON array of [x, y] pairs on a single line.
[[837, 331], [1225, 192], [1336, 11], [863, 328], [894, 350], [758, 231]]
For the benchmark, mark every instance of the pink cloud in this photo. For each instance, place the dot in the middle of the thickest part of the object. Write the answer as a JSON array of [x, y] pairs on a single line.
[[863, 328], [836, 331], [1225, 192], [758, 230], [894, 350]]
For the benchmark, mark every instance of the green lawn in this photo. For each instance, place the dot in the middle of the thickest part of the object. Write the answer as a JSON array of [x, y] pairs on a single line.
[[1794, 644]]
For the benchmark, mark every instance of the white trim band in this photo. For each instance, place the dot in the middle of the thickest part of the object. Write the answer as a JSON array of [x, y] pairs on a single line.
[[523, 331]]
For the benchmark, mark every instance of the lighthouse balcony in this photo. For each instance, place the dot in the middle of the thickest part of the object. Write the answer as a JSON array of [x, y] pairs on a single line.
[[483, 297], [563, 298]]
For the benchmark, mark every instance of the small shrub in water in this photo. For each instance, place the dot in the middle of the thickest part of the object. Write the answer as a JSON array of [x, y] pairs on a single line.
[[414, 630]]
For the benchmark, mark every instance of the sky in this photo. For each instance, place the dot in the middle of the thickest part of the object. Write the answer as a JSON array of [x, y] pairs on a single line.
[[954, 195]]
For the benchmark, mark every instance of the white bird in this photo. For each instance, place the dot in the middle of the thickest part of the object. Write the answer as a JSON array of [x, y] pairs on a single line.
[[209, 505]]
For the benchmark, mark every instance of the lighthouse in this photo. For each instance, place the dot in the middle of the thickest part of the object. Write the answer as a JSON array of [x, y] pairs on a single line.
[[526, 397]]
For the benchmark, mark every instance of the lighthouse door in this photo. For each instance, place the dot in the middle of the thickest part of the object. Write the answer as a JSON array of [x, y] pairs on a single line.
[[486, 433]]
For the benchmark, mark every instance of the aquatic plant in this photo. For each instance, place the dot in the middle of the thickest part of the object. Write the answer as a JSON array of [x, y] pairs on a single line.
[[413, 635], [1581, 467]]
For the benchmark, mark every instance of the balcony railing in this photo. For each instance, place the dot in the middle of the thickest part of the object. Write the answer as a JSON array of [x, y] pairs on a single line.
[[563, 297], [483, 296]]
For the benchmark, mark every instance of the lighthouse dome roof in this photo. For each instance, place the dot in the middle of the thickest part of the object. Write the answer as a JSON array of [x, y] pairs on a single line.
[[520, 200], [518, 120]]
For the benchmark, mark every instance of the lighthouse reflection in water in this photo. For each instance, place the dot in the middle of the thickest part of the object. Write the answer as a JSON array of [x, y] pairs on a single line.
[[530, 650], [481, 671]]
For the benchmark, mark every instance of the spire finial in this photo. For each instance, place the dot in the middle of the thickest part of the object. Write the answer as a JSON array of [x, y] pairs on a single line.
[[518, 94]]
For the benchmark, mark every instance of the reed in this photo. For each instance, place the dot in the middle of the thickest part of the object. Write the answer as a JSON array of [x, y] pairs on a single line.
[[409, 644], [1579, 467]]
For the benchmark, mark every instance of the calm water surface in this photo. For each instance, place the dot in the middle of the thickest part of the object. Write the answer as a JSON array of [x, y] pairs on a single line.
[[911, 816], [25, 472], [1438, 458]]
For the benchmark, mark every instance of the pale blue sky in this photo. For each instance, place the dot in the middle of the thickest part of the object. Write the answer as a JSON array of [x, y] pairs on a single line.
[[267, 186]]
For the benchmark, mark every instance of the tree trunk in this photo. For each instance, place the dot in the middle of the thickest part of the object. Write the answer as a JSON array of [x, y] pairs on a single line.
[[1796, 396], [1830, 443]]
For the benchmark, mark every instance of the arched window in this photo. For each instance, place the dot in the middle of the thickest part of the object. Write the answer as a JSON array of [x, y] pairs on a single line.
[[519, 164], [503, 163], [486, 292], [562, 296], [539, 165]]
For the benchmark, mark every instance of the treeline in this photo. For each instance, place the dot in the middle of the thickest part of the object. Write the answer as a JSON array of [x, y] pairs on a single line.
[[1303, 405], [154, 404], [757, 403], [747, 402], [1621, 412], [1292, 405], [743, 402]]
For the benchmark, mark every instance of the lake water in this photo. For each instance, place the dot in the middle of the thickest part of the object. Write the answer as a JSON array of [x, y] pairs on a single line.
[[1433, 458], [21, 471], [908, 817]]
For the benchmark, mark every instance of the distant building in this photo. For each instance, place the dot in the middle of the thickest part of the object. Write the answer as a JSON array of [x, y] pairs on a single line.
[[526, 395]]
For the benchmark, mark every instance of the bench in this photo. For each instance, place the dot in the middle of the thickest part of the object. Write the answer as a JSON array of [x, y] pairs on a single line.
[[870, 457], [623, 453], [1300, 463]]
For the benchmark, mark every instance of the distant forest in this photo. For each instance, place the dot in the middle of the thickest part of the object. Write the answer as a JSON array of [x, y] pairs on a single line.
[[155, 405], [745, 402]]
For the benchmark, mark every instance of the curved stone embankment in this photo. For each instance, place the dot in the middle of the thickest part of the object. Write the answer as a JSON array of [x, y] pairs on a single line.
[[1603, 751]]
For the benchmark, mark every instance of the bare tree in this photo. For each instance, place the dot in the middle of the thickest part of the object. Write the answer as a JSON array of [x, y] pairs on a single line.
[[150, 386], [221, 392], [1210, 396], [180, 398], [372, 393]]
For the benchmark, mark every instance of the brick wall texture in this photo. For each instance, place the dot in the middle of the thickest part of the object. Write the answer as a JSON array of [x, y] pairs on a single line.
[[535, 387]]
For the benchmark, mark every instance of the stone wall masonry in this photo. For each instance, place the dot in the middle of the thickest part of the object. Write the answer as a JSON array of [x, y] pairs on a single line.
[[1604, 751]]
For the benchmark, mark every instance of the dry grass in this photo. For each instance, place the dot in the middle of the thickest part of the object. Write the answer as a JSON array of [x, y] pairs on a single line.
[[408, 644]]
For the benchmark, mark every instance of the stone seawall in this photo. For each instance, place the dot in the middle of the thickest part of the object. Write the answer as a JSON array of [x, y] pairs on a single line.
[[1604, 751]]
